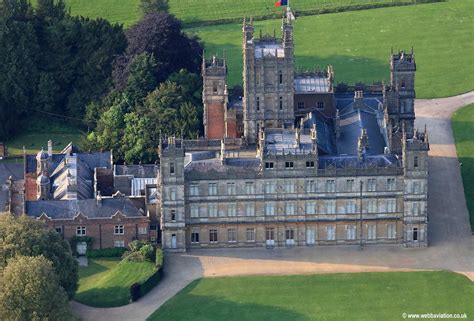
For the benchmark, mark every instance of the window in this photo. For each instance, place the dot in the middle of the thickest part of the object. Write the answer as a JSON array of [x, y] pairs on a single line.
[[281, 103], [371, 232], [120, 243], [249, 209], [403, 83], [173, 194], [415, 162], [290, 186], [212, 210], [391, 231], [269, 187], [371, 206], [391, 206], [391, 184], [351, 207], [415, 234], [310, 186], [415, 209], [289, 165], [213, 236], [194, 190], [350, 185], [290, 234], [310, 208], [310, 164], [350, 232], [330, 207], [118, 230], [268, 165], [80, 230], [58, 229], [330, 186], [290, 208], [232, 235], [416, 187], [371, 184], [171, 168], [249, 188], [231, 209], [230, 188], [320, 104], [258, 103], [270, 234], [212, 188], [280, 76], [173, 215], [195, 236], [142, 230], [330, 233], [214, 87], [269, 209], [250, 235], [194, 209], [300, 105]]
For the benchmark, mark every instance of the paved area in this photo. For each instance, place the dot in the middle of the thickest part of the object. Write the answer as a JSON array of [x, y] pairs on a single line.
[[451, 241]]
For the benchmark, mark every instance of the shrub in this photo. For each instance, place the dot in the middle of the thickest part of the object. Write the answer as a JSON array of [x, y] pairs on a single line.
[[159, 258], [138, 290], [136, 245], [148, 252], [133, 257], [108, 252]]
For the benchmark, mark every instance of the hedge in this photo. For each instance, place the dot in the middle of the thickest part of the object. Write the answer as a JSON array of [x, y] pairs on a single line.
[[140, 289], [108, 252]]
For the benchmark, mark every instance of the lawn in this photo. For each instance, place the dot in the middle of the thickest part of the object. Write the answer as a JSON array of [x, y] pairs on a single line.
[[463, 127], [106, 281], [358, 44], [358, 296]]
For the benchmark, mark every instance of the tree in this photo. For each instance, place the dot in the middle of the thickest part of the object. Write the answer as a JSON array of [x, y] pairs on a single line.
[[159, 34], [25, 236], [141, 78], [150, 6], [30, 290]]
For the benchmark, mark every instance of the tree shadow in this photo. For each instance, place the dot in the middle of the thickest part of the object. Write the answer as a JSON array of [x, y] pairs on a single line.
[[104, 297], [92, 269]]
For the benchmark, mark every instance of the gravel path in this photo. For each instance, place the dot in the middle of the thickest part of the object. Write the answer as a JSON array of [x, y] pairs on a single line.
[[451, 241]]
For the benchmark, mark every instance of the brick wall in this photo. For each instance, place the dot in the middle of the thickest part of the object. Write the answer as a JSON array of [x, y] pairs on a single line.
[[215, 120]]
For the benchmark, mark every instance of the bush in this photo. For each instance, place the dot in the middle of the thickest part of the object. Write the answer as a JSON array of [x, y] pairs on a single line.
[[136, 245], [138, 290], [133, 257], [148, 252], [159, 257], [108, 252]]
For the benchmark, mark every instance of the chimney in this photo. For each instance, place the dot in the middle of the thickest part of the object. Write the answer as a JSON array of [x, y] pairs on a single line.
[[222, 156], [337, 124], [50, 148], [99, 199], [362, 144], [358, 99], [314, 138], [297, 138]]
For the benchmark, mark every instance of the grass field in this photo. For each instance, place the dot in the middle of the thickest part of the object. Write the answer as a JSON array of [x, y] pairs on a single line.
[[358, 44], [463, 127], [105, 282], [362, 296]]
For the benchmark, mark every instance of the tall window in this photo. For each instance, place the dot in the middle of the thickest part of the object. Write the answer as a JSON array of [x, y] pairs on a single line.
[[330, 207], [270, 187], [194, 209], [173, 194], [350, 206], [212, 188], [391, 231], [350, 232], [231, 188], [231, 209], [290, 234], [415, 209], [258, 103], [391, 184], [290, 208], [270, 234], [371, 232], [416, 187], [250, 235], [118, 230], [212, 210], [213, 236], [268, 165], [391, 205], [371, 185], [350, 185], [214, 87], [310, 186], [250, 209], [415, 162], [80, 230], [249, 188], [310, 207], [330, 186], [232, 235], [280, 76], [194, 190], [195, 236], [173, 215], [330, 233], [320, 104], [372, 206], [171, 168], [281, 103], [310, 164], [270, 209], [290, 186], [289, 165]]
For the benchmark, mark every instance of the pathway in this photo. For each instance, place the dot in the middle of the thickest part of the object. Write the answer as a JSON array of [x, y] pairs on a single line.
[[451, 242]]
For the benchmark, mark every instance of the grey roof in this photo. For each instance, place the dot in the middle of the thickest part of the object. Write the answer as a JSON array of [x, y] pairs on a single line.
[[269, 49], [325, 131], [283, 141], [137, 171], [353, 161], [312, 84], [42, 154], [231, 164], [68, 209]]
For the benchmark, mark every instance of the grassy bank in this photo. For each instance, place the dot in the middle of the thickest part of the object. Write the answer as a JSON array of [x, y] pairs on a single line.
[[359, 296]]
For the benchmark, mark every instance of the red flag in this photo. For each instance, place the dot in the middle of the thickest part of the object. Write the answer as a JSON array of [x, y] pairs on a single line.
[[278, 4]]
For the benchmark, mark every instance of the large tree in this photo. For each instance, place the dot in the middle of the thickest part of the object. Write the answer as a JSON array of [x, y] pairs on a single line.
[[30, 291], [159, 34], [25, 236], [149, 6]]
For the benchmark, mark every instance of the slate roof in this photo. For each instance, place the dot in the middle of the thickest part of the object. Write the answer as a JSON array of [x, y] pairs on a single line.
[[311, 84], [233, 164], [68, 209], [137, 171]]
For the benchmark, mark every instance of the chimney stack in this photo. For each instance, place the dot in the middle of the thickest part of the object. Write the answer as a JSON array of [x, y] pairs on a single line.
[[50, 148]]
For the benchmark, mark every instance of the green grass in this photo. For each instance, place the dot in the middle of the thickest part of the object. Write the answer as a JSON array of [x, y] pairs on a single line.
[[106, 281], [358, 44], [463, 127], [362, 296]]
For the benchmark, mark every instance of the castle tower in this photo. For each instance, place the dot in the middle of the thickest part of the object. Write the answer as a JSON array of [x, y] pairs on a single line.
[[214, 97], [268, 76], [43, 186], [171, 187], [42, 162], [415, 167]]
